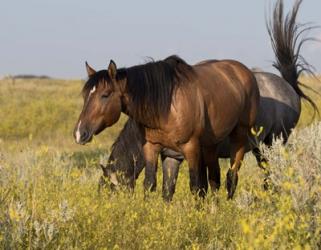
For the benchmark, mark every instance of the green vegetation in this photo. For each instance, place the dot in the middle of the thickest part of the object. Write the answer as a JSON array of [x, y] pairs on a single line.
[[49, 198]]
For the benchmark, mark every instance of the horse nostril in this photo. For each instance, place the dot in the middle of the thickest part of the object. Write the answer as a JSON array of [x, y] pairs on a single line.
[[84, 135]]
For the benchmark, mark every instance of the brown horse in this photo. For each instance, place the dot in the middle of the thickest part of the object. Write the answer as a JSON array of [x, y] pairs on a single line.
[[186, 108]]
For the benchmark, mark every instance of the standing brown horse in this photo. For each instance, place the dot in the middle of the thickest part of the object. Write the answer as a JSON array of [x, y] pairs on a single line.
[[186, 108]]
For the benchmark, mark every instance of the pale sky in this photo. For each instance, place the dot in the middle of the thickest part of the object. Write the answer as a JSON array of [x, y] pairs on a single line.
[[56, 37]]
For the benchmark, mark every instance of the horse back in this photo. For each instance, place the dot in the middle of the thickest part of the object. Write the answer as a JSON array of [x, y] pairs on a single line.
[[228, 75]]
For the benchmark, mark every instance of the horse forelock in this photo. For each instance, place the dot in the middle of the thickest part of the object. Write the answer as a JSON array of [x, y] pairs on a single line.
[[101, 77]]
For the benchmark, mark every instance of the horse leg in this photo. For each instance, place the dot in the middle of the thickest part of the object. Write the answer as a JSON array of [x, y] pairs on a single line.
[[170, 174], [238, 141], [262, 163], [101, 184], [203, 176], [192, 153], [151, 152], [214, 173]]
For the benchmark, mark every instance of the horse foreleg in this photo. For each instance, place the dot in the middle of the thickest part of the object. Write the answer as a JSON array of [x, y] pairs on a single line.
[[203, 176], [214, 172], [170, 174], [238, 143], [192, 153], [151, 152]]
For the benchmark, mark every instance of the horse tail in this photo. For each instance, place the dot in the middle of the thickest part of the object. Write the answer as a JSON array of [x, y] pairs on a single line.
[[285, 34]]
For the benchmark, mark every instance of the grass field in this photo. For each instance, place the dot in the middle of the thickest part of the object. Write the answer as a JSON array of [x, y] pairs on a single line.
[[49, 199]]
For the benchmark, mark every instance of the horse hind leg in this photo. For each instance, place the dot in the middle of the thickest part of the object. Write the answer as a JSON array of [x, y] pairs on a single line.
[[238, 144], [262, 163], [260, 159], [170, 175], [214, 176], [239, 136]]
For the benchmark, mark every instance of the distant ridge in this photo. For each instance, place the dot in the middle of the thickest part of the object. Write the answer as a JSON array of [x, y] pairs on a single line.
[[27, 76]]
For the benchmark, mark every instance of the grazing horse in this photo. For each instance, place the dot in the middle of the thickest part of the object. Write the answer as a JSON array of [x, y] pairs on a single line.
[[278, 113], [186, 108]]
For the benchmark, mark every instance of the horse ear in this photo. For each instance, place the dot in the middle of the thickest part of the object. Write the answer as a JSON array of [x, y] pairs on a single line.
[[112, 69], [90, 70]]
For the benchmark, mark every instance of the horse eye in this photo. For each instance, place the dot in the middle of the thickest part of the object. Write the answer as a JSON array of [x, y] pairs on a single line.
[[105, 96]]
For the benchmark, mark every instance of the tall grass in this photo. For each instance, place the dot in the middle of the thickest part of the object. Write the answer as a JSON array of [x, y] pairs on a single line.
[[49, 198]]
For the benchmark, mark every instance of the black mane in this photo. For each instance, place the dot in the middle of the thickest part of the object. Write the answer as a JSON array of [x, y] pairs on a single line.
[[152, 85]]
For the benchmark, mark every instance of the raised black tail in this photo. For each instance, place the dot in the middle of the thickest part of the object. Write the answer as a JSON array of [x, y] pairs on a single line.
[[285, 34]]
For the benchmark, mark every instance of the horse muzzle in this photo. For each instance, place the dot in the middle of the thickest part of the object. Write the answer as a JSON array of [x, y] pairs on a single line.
[[82, 136]]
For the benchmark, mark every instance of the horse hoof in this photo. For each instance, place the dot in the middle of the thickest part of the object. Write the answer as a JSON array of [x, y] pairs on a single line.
[[149, 186], [215, 186], [167, 197], [202, 193]]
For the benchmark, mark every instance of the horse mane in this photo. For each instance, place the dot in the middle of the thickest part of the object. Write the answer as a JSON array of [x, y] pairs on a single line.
[[152, 85]]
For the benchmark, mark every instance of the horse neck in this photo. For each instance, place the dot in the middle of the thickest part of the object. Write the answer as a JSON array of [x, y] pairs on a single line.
[[127, 152], [128, 109]]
